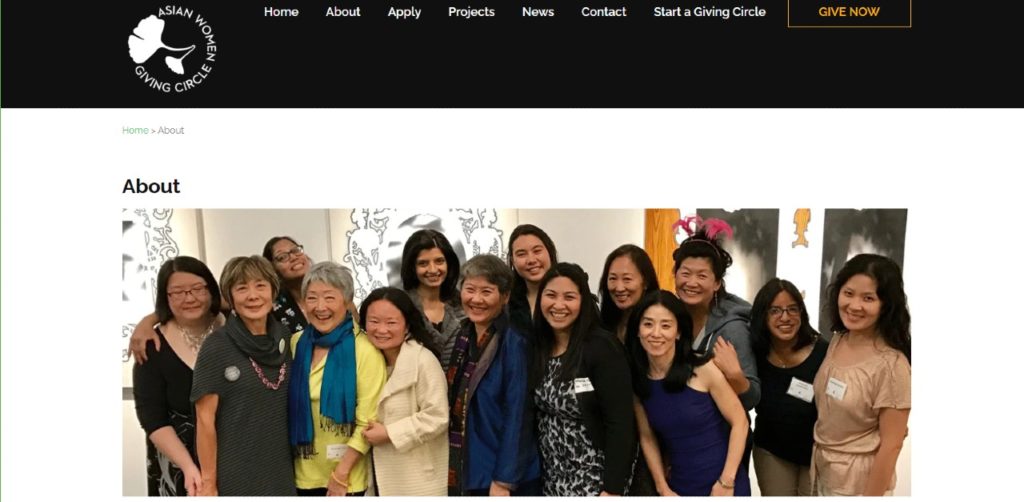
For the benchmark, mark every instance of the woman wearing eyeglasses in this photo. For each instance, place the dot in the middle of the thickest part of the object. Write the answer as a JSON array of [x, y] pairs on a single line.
[[291, 264], [789, 353], [187, 306]]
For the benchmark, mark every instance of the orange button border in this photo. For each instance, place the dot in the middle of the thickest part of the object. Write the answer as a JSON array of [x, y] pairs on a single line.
[[905, 27]]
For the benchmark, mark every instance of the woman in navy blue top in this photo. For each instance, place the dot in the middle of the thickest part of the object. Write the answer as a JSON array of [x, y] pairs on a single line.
[[697, 427], [492, 448]]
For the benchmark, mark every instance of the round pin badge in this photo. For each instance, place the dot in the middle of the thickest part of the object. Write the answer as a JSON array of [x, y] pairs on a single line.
[[231, 373]]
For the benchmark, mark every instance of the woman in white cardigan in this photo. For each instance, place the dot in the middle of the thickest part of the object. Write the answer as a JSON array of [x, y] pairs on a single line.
[[410, 447]]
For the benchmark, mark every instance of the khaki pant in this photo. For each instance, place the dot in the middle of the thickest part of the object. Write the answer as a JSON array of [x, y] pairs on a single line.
[[777, 477], [823, 491]]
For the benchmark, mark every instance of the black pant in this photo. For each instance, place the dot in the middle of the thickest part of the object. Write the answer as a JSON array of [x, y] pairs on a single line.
[[322, 492]]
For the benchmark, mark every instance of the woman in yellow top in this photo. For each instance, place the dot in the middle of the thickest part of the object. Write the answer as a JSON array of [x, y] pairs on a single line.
[[337, 379]]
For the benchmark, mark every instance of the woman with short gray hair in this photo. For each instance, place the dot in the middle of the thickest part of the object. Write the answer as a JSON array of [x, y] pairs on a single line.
[[332, 274], [492, 450], [337, 378]]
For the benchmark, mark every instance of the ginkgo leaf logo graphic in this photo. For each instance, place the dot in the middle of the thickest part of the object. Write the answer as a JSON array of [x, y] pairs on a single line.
[[146, 39]]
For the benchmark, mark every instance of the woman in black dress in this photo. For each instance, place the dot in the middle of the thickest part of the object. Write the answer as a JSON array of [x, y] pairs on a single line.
[[187, 306], [789, 353]]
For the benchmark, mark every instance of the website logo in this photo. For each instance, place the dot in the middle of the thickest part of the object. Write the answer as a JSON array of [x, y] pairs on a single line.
[[174, 50]]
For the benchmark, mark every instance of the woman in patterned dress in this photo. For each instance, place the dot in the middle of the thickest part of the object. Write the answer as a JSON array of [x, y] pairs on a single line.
[[582, 391]]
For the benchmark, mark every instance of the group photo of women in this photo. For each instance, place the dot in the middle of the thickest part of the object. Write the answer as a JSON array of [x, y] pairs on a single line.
[[524, 370]]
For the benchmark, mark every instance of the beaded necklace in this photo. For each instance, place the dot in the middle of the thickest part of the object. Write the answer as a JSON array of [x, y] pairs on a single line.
[[266, 383]]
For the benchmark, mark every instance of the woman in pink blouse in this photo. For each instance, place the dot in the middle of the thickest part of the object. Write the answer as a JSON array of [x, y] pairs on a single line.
[[862, 390]]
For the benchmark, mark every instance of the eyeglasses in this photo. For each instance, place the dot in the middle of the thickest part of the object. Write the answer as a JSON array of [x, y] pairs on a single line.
[[198, 291], [285, 256], [792, 310]]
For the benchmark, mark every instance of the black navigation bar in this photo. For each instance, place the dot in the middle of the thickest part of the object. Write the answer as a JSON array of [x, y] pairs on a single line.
[[505, 53]]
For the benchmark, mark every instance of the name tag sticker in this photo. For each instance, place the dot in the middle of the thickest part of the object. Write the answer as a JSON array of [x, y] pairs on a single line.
[[581, 385], [335, 451], [801, 390], [835, 389]]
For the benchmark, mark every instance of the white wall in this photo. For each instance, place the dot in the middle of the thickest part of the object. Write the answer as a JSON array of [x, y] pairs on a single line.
[[133, 440], [586, 236], [242, 232]]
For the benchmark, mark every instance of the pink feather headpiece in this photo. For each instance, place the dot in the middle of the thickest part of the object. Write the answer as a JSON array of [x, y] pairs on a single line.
[[712, 227]]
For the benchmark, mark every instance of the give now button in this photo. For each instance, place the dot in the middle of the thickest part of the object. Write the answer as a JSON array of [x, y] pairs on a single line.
[[849, 13]]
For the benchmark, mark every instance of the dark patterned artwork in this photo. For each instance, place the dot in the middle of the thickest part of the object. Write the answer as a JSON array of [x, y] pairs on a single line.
[[754, 247], [849, 232]]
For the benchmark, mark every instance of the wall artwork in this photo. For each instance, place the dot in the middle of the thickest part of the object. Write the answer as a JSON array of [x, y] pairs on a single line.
[[754, 247], [146, 242], [375, 244]]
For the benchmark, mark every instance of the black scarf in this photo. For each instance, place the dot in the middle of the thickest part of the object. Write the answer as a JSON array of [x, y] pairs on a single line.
[[265, 349]]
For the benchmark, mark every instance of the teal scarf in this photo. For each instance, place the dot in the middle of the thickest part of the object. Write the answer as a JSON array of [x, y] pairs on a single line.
[[337, 394]]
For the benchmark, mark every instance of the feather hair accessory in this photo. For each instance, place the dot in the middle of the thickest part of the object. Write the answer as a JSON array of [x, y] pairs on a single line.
[[689, 224], [713, 227]]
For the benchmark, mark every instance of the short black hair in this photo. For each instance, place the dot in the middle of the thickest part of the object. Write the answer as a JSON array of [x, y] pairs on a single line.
[[704, 243], [192, 266], [413, 317]]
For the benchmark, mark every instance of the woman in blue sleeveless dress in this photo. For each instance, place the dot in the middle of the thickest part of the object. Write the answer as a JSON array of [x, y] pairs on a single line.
[[693, 428]]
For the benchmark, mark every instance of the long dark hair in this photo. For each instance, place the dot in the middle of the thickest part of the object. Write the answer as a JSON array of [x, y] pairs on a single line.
[[544, 337], [413, 317], [518, 305], [760, 334], [685, 359], [611, 314], [192, 266], [894, 318], [424, 240]]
